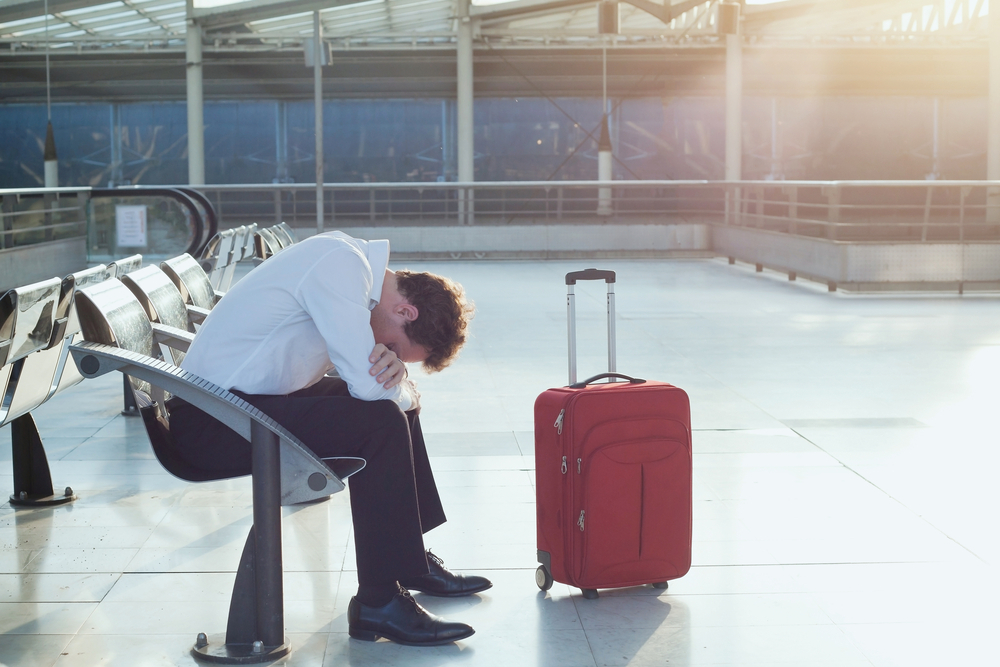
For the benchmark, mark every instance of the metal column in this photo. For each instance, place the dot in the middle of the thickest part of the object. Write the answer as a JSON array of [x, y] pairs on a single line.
[[993, 120], [734, 107], [195, 105], [466, 136], [318, 94]]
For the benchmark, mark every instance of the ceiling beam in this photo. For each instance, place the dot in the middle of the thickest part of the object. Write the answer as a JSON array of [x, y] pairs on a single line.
[[16, 10], [664, 12], [258, 10]]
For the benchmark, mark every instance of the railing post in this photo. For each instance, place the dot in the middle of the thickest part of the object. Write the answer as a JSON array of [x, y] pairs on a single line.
[[793, 207], [832, 193], [371, 204], [559, 203], [759, 206], [927, 212], [964, 192], [6, 208]]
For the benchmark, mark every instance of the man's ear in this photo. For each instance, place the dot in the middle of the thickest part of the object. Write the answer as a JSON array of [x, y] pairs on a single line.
[[408, 311]]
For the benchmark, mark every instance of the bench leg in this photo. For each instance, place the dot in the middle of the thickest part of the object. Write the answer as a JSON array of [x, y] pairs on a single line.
[[256, 629], [32, 479]]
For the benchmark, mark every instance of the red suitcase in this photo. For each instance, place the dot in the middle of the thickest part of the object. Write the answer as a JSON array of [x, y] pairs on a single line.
[[613, 474]]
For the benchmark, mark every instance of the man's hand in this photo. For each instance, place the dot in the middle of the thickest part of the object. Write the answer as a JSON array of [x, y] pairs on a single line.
[[389, 370]]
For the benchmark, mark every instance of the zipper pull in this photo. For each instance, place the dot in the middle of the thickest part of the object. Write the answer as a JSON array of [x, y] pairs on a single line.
[[564, 465], [579, 521], [559, 421], [579, 464]]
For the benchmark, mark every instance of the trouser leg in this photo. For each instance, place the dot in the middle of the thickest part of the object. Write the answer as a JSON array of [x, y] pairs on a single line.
[[431, 510]]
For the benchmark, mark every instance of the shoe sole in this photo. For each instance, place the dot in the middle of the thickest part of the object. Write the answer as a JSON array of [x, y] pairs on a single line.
[[371, 635], [452, 595]]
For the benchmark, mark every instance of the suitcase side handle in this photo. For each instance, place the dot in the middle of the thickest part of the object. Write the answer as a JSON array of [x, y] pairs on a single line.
[[590, 274], [581, 385]]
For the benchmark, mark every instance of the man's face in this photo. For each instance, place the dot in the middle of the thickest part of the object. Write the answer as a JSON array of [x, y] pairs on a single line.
[[388, 330]]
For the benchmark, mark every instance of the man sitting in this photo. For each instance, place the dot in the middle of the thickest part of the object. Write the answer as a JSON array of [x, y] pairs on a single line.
[[330, 302]]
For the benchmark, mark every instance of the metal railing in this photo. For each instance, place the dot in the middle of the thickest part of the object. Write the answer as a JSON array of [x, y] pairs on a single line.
[[919, 211]]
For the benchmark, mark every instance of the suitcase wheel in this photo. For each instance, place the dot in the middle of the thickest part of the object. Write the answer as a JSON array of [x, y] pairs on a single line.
[[660, 584], [543, 578], [589, 593]]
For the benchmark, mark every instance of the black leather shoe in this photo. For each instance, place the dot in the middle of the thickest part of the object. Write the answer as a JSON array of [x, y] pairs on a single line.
[[441, 582], [403, 621]]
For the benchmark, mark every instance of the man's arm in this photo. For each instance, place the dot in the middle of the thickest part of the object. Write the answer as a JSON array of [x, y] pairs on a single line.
[[335, 293], [390, 371]]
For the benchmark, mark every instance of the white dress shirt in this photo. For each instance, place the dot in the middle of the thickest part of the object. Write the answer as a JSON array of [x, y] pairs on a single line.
[[303, 312]]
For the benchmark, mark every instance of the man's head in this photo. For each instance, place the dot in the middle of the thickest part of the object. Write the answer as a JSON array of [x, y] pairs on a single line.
[[422, 317]]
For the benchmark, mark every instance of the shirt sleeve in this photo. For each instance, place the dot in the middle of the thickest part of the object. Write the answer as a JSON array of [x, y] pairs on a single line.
[[335, 293]]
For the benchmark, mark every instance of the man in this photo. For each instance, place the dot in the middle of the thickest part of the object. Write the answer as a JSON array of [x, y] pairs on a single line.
[[330, 302]]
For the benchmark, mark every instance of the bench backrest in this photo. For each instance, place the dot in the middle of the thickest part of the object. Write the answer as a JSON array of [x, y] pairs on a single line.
[[125, 265], [266, 244], [288, 231], [65, 373], [248, 242], [27, 325], [190, 280], [159, 297], [283, 235]]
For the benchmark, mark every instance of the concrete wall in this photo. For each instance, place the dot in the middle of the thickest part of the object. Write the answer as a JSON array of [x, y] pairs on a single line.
[[542, 241], [868, 266]]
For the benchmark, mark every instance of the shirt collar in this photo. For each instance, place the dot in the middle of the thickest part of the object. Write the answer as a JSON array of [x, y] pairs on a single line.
[[378, 259]]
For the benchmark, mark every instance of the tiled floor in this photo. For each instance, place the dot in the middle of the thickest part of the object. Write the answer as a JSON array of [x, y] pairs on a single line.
[[846, 450]]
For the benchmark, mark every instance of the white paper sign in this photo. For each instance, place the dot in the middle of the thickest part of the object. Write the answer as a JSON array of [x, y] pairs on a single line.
[[130, 226]]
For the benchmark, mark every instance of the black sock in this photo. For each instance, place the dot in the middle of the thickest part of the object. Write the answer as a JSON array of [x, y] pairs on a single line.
[[378, 594]]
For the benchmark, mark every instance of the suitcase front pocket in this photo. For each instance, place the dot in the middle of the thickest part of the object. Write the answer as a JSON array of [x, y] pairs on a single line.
[[634, 521]]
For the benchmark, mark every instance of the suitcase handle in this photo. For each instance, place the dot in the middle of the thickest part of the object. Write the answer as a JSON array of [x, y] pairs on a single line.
[[589, 274], [581, 385]]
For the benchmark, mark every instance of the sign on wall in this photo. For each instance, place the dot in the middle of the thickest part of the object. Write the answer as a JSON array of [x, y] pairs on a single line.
[[130, 226]]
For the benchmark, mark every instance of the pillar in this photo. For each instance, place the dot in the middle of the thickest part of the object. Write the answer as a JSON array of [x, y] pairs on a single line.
[[993, 120], [464, 111], [318, 103], [51, 159], [734, 108], [195, 106]]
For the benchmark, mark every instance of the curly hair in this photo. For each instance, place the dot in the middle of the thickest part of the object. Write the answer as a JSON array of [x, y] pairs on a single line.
[[443, 316]]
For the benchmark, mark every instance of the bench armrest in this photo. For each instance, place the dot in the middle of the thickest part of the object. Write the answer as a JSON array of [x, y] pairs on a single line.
[[197, 315], [304, 476], [172, 337]]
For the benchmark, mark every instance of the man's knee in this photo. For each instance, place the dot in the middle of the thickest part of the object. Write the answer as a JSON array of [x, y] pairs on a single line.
[[391, 428]]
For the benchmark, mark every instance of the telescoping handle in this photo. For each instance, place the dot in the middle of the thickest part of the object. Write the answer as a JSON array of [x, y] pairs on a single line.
[[571, 280]]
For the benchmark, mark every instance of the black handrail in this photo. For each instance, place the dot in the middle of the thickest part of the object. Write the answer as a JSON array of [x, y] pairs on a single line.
[[211, 228], [182, 196]]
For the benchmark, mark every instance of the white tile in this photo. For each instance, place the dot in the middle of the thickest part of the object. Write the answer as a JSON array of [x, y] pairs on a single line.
[[46, 618]]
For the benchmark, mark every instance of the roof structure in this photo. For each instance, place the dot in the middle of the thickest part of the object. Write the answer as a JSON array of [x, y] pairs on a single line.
[[149, 25], [129, 50]]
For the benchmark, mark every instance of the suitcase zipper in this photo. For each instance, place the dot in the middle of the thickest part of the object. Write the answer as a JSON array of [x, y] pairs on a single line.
[[564, 465], [579, 521], [559, 421]]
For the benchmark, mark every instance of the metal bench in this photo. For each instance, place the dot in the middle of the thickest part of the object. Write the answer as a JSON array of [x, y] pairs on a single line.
[[120, 337], [37, 324]]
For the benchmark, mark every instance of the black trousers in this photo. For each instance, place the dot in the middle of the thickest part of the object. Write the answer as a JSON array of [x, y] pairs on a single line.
[[394, 499]]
